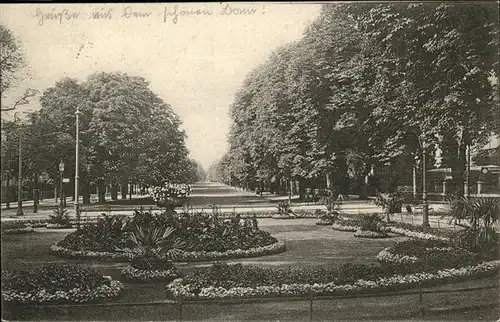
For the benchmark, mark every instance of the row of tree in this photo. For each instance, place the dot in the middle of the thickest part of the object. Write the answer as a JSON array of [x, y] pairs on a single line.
[[368, 85], [127, 134]]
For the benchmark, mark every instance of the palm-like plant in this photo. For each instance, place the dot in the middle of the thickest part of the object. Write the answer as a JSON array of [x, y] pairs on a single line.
[[479, 217], [391, 203], [370, 222], [154, 242]]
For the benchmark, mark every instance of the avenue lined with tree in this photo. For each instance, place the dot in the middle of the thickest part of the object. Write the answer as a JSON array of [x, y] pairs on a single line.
[[368, 86], [320, 198]]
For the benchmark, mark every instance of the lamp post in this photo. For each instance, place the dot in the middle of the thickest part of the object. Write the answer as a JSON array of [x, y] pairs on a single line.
[[77, 150], [20, 179], [425, 204], [61, 202], [7, 188]]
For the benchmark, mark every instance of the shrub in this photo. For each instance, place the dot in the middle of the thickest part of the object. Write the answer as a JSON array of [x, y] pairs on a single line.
[[60, 217], [371, 222], [153, 242], [284, 208], [391, 203], [479, 217]]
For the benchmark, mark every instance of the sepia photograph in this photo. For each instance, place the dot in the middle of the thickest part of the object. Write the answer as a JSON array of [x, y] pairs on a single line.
[[250, 161]]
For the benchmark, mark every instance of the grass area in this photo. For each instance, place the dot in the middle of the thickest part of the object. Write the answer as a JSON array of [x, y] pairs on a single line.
[[307, 244]]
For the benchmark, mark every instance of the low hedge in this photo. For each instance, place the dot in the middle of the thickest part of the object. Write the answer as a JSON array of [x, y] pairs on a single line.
[[57, 283]]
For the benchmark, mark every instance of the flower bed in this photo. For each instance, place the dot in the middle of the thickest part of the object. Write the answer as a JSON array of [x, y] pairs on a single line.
[[147, 269], [15, 227], [133, 274], [344, 227], [204, 236], [324, 222], [56, 283], [416, 234], [424, 254], [196, 289], [197, 256], [17, 230], [58, 226], [422, 232], [371, 234]]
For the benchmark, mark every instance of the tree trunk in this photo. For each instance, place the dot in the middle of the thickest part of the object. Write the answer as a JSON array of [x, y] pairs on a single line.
[[459, 170], [302, 189], [101, 190], [363, 187], [35, 193], [7, 204], [114, 192], [86, 193], [124, 190], [130, 191]]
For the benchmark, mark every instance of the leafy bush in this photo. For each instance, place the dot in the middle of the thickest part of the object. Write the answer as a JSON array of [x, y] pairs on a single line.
[[371, 222], [332, 214], [106, 234], [391, 203], [284, 208], [479, 216], [52, 278], [153, 242], [60, 217]]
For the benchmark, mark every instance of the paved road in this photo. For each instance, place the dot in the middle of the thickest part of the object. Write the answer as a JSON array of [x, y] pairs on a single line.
[[227, 199]]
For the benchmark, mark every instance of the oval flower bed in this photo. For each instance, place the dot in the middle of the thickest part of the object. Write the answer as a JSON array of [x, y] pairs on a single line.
[[195, 288], [56, 283], [203, 237]]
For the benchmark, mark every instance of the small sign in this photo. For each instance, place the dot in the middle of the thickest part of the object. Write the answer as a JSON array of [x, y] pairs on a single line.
[[65, 180]]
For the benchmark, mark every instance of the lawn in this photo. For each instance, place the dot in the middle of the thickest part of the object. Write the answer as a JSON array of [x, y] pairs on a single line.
[[307, 244]]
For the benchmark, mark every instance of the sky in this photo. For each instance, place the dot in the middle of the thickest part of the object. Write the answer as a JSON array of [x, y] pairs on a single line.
[[195, 56]]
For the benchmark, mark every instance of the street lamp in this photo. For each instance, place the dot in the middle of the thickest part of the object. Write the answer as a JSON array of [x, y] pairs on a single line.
[[77, 177], [61, 202], [20, 179], [425, 204]]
